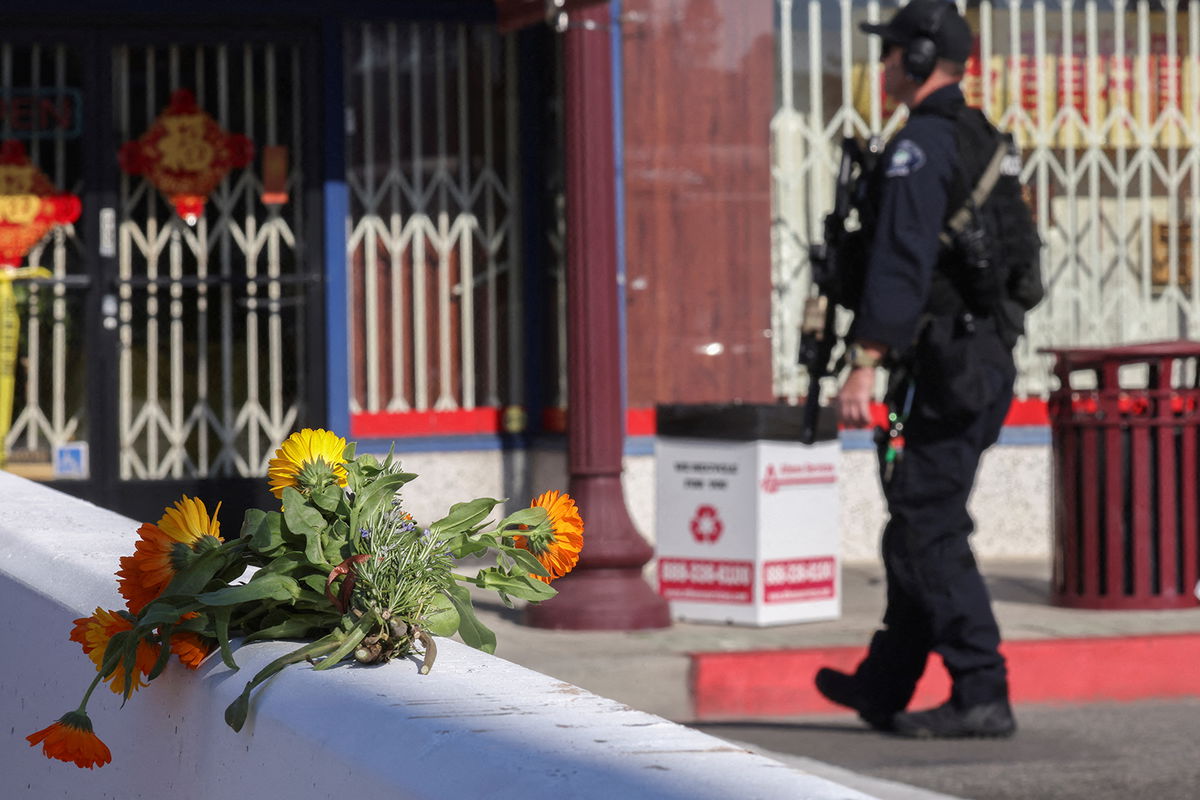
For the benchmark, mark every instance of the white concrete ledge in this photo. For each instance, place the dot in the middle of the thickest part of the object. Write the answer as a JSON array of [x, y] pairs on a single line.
[[476, 727]]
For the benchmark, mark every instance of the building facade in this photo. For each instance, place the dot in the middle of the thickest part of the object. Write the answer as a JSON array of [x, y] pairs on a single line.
[[292, 215]]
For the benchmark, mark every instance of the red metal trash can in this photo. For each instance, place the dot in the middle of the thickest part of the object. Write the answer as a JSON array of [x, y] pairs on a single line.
[[1126, 476]]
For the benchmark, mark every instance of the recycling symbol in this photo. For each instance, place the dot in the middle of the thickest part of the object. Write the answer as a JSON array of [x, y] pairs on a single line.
[[706, 525]]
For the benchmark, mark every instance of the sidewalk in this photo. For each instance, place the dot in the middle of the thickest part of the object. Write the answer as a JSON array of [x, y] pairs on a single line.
[[690, 672]]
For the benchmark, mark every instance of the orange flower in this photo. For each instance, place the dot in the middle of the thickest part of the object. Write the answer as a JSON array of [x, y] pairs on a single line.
[[558, 551], [94, 634], [71, 739], [164, 549], [191, 647]]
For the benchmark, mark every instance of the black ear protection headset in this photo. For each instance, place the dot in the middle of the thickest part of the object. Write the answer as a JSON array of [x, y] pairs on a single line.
[[921, 52]]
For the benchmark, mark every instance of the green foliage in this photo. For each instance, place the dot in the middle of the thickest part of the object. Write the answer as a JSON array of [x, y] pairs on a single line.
[[472, 631], [345, 566]]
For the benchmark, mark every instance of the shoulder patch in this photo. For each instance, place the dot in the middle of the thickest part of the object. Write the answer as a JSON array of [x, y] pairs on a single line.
[[907, 158]]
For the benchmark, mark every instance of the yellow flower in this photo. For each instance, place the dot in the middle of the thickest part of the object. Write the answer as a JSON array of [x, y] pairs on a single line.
[[94, 634], [72, 739], [164, 549], [558, 551], [308, 459]]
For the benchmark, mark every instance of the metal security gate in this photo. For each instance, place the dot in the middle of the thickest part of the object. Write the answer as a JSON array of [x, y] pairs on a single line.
[[42, 131], [434, 248], [197, 322], [1104, 99]]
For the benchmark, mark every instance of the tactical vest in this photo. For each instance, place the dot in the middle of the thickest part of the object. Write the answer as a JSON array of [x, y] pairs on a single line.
[[990, 265]]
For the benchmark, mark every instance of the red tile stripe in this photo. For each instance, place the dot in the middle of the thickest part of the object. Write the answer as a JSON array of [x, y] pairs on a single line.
[[780, 682], [638, 421], [424, 423]]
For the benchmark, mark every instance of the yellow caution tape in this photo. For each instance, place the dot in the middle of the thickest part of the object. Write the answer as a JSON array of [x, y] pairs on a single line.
[[10, 340]]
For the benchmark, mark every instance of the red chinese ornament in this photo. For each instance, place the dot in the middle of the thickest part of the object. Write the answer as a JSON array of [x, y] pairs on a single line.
[[30, 205], [185, 154]]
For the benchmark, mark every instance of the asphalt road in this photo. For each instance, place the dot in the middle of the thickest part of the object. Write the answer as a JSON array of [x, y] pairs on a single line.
[[1126, 751]]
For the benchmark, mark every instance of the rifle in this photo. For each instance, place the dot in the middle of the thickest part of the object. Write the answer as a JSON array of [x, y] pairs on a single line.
[[818, 333]]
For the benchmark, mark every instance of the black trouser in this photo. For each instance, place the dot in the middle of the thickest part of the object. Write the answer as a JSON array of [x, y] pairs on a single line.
[[936, 598]]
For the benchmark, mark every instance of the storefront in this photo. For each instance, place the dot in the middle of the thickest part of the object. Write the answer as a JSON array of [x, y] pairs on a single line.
[[370, 233], [281, 218]]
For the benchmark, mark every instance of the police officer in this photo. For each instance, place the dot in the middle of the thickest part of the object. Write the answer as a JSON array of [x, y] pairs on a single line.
[[936, 598]]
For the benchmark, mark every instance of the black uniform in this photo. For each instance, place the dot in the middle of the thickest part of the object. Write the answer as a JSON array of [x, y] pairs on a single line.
[[936, 598]]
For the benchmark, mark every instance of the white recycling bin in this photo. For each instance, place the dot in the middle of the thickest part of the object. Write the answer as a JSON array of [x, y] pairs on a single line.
[[747, 517]]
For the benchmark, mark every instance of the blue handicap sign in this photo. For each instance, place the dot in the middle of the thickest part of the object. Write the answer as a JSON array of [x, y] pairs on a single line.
[[71, 460]]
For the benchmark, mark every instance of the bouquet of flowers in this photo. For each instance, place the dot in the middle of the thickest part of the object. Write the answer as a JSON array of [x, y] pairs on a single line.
[[341, 563]]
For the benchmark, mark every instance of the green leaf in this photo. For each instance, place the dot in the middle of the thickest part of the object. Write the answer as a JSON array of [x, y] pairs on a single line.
[[462, 545], [312, 600], [296, 626], [464, 515], [235, 714], [221, 621], [381, 490], [391, 457], [286, 564], [527, 561], [441, 617], [164, 652], [261, 587], [195, 576], [348, 451], [130, 665], [113, 652], [337, 550], [328, 498], [250, 523], [306, 521], [527, 517], [165, 611], [473, 632], [520, 586], [201, 624], [314, 582], [266, 537]]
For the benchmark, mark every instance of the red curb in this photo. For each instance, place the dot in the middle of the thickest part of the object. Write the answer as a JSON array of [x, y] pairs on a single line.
[[780, 682]]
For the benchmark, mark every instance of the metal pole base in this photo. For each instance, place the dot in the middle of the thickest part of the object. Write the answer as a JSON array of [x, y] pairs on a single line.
[[601, 600]]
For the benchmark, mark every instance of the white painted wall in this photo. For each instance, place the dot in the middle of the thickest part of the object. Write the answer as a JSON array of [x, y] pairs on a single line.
[[476, 727]]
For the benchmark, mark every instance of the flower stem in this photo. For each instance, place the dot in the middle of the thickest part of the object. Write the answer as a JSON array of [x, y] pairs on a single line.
[[88, 694], [235, 714]]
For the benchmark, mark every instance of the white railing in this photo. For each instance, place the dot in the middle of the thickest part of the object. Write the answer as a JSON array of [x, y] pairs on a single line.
[[1104, 99], [476, 726]]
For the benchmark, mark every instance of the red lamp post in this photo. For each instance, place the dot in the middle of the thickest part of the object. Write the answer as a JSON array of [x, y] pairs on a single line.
[[606, 591]]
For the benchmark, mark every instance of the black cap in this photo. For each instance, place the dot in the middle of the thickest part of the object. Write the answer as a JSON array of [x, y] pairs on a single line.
[[952, 36]]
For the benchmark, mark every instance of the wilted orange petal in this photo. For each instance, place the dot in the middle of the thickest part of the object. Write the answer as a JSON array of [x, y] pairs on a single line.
[[191, 647], [71, 739]]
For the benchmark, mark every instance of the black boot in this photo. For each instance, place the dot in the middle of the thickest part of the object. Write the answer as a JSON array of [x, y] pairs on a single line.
[[846, 690], [993, 719]]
